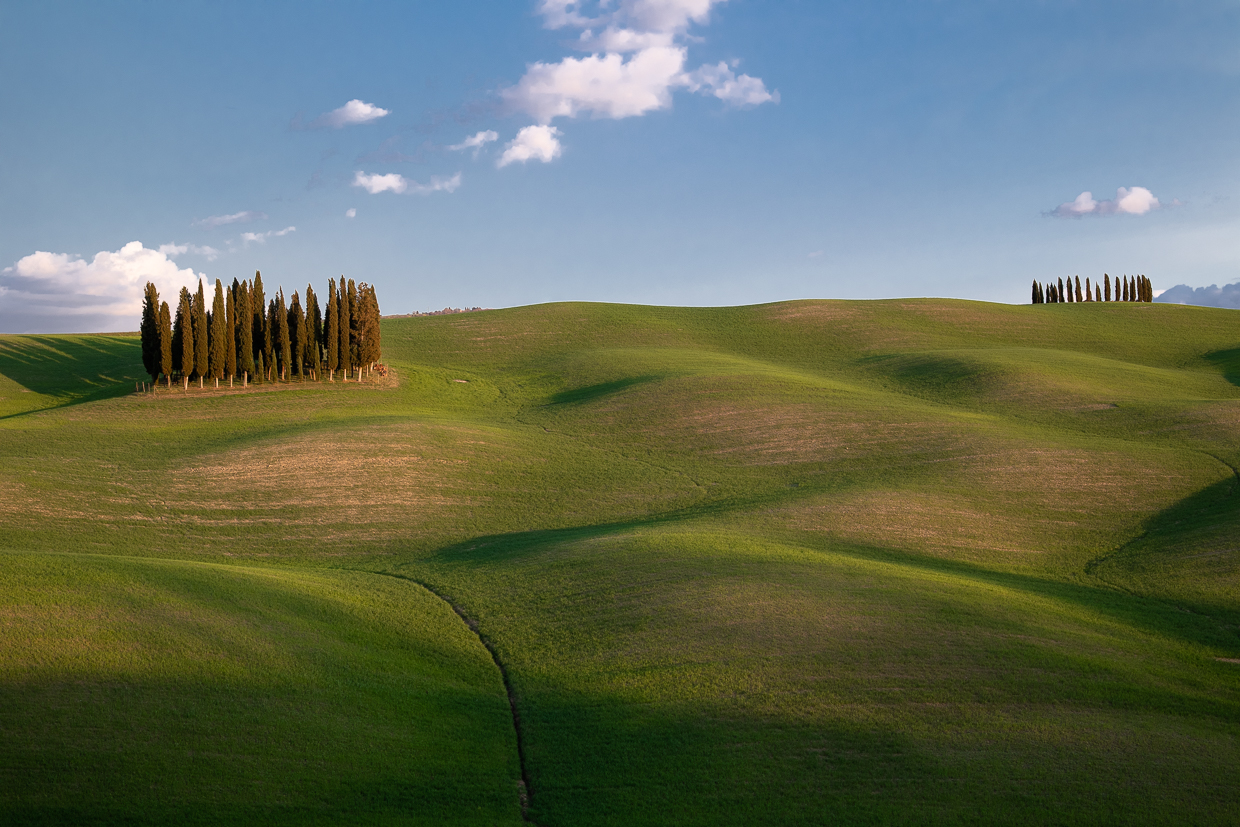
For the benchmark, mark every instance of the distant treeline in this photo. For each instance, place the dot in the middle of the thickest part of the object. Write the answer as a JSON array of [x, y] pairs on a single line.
[[242, 334], [1127, 289]]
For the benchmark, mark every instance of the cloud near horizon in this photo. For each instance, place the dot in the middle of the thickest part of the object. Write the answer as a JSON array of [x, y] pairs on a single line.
[[60, 289], [397, 183], [260, 238], [533, 143], [242, 217], [1127, 201]]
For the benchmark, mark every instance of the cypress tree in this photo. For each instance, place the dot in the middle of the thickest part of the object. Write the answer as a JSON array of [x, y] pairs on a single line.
[[343, 315], [1149, 289], [1097, 293], [1078, 289], [1059, 291], [150, 331], [245, 334], [1127, 289], [354, 318], [201, 334], [258, 304], [165, 342], [270, 340], [230, 337], [331, 331], [1089, 291], [217, 353], [286, 346], [184, 333], [368, 326], [1035, 292], [314, 332], [1106, 280], [297, 337]]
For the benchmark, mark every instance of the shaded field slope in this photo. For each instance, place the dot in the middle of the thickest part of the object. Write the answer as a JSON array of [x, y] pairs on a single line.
[[813, 562]]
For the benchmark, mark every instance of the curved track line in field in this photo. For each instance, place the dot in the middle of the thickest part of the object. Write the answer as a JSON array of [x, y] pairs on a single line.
[[526, 792]]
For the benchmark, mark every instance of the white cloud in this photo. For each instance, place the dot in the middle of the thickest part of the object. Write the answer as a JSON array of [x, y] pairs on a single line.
[[235, 218], [260, 238], [1127, 201], [722, 82], [671, 16], [174, 250], [107, 288], [533, 143], [355, 111], [394, 182], [603, 86], [351, 212], [476, 141]]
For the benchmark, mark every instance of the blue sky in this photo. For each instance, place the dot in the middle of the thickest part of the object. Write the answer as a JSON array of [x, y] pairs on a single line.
[[649, 151]]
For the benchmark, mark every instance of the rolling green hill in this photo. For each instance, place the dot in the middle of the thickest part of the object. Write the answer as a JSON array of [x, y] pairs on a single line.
[[913, 561]]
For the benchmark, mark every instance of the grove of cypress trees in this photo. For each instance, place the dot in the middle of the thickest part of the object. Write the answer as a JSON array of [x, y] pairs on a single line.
[[331, 331], [165, 342], [217, 352], [150, 331], [286, 347], [245, 334], [368, 326], [343, 316], [184, 332], [230, 336], [201, 334]]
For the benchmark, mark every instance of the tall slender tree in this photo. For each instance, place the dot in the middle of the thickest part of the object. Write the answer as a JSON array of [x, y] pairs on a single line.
[[343, 316], [331, 331], [150, 331], [1097, 293], [282, 336], [230, 335], [184, 333], [202, 366], [258, 303], [297, 337], [217, 351], [368, 326], [1078, 289], [1035, 292], [1106, 280], [245, 334], [354, 320], [270, 340], [314, 331], [165, 342], [1089, 291]]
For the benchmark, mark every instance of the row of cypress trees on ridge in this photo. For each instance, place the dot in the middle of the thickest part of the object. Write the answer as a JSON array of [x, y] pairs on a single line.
[[1128, 289], [244, 335]]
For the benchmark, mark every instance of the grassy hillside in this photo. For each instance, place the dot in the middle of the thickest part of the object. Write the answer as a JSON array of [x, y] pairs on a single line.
[[854, 562]]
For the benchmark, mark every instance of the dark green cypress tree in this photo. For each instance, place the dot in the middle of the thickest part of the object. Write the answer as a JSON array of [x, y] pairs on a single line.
[[150, 331], [258, 335], [165, 342], [1106, 280], [230, 336], [355, 357], [245, 333], [314, 332], [184, 333], [1089, 291], [1127, 290], [217, 350], [331, 330], [343, 314], [1059, 291], [270, 340], [368, 326], [202, 365], [1078, 289], [1035, 292], [286, 346], [297, 337]]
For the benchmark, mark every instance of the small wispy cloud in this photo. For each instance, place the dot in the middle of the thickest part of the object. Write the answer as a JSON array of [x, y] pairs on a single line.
[[397, 183], [242, 217], [174, 250], [354, 112], [476, 141], [260, 238], [351, 212], [1127, 201], [533, 143]]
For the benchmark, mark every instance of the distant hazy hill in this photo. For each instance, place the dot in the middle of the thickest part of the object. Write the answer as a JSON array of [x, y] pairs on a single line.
[[1212, 296]]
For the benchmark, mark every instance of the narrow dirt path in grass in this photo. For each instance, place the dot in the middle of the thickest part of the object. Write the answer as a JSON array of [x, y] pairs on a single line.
[[525, 792]]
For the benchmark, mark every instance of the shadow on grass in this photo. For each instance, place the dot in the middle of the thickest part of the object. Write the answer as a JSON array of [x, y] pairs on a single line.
[[72, 369], [577, 396], [1227, 361]]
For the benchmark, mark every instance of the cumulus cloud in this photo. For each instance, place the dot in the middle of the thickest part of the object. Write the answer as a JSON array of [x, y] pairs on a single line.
[[355, 111], [637, 62], [59, 292], [174, 250], [1127, 201], [236, 218], [351, 212], [724, 84], [260, 238], [533, 143], [477, 140], [394, 182]]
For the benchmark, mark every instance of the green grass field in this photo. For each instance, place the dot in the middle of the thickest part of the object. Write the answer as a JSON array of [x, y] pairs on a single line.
[[891, 562]]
